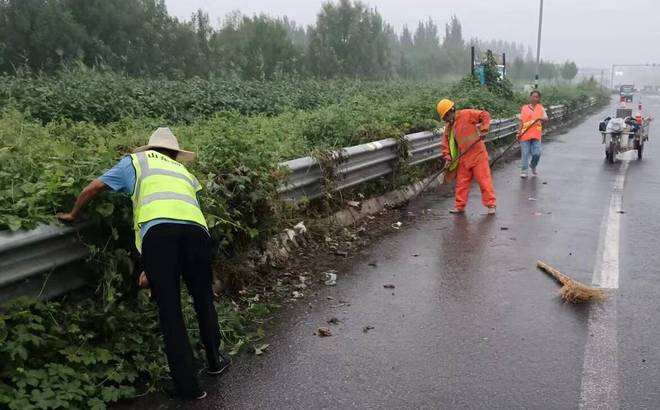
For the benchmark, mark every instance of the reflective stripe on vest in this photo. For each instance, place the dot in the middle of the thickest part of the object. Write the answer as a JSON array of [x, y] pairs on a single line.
[[163, 189], [453, 150]]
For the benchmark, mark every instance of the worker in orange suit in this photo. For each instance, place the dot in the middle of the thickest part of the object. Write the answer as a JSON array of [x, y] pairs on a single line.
[[464, 133]]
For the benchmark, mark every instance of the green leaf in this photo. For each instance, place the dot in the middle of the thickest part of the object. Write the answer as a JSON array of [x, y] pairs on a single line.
[[105, 209], [260, 349], [14, 223], [96, 404]]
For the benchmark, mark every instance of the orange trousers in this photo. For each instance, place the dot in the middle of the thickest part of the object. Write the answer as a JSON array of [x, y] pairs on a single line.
[[474, 165]]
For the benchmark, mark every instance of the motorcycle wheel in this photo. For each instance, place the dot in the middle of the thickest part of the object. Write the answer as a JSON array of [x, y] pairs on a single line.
[[612, 152], [640, 151]]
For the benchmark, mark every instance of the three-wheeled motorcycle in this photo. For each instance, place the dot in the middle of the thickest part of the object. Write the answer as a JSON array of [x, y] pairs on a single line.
[[624, 133]]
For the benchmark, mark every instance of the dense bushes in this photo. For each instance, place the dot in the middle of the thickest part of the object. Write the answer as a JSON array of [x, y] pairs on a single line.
[[103, 97], [83, 355], [58, 134], [46, 165]]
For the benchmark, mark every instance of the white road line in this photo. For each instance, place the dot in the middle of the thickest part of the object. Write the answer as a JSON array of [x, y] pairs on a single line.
[[599, 388]]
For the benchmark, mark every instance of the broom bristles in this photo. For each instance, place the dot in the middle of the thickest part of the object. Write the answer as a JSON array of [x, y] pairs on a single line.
[[573, 291]]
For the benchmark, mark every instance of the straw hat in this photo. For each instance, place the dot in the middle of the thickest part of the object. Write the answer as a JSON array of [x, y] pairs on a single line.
[[164, 138]]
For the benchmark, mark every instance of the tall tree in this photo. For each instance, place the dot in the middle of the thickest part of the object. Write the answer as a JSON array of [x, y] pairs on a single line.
[[348, 40], [569, 70], [256, 47], [453, 35], [41, 34]]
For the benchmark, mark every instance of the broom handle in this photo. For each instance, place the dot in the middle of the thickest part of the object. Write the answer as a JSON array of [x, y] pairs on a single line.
[[444, 169], [514, 142], [560, 277]]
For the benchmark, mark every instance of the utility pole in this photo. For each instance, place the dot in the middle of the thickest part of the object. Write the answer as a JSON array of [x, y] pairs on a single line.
[[538, 48]]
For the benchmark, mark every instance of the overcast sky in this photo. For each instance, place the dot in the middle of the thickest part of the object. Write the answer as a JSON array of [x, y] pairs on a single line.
[[594, 33]]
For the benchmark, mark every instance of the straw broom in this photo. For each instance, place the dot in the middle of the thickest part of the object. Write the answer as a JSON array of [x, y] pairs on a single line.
[[573, 291]]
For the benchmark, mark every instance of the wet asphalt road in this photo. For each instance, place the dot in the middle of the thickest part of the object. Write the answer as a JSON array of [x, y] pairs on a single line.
[[471, 323]]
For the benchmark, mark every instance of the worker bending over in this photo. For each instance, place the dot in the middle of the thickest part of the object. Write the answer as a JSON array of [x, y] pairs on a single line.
[[172, 237], [464, 133]]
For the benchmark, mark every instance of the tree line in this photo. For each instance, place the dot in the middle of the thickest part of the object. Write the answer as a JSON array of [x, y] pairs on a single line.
[[140, 38]]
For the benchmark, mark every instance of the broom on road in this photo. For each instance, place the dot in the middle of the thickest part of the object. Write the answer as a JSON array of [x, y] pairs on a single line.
[[573, 291]]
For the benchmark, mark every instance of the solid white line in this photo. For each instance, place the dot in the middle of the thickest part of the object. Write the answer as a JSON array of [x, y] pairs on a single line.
[[606, 269], [600, 384]]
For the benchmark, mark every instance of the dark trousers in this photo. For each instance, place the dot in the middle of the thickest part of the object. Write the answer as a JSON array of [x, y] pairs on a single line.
[[169, 252]]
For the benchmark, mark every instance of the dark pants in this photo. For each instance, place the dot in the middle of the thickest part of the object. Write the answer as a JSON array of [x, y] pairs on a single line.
[[170, 251]]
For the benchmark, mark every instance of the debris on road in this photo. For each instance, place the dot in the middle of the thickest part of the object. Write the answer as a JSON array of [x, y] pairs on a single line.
[[531, 199], [504, 228], [389, 286], [330, 278], [302, 284], [573, 291], [397, 225], [415, 255], [334, 321], [297, 295], [259, 350], [373, 264], [366, 329], [324, 332]]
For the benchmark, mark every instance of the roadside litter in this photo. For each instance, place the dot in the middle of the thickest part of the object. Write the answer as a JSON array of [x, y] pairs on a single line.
[[324, 332], [573, 291], [330, 278]]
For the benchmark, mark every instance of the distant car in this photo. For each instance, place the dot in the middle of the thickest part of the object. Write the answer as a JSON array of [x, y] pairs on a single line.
[[627, 92]]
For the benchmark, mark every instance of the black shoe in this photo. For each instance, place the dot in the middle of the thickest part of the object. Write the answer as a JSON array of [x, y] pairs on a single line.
[[198, 395], [218, 364]]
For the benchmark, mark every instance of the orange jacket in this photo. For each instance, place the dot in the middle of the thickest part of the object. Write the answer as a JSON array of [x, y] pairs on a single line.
[[527, 116], [466, 127]]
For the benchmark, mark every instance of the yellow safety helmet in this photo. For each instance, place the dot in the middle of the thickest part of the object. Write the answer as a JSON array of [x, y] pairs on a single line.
[[444, 106]]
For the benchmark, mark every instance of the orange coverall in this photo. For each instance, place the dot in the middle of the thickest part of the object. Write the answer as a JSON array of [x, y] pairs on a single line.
[[466, 127]]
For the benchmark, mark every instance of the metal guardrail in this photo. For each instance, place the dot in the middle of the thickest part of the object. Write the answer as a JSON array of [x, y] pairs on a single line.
[[47, 261], [361, 163], [31, 262]]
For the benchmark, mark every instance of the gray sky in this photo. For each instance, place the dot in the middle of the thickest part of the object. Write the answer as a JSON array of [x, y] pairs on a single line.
[[582, 30]]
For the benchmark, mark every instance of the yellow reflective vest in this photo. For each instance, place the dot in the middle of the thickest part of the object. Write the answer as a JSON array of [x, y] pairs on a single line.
[[453, 150], [163, 189]]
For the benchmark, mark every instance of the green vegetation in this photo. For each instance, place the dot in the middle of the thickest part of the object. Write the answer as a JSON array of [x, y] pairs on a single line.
[[101, 97], [89, 353], [47, 164], [140, 38], [86, 81], [84, 355]]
